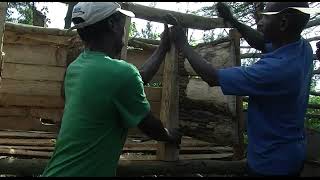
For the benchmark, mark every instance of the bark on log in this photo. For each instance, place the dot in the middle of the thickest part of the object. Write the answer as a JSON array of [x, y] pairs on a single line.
[[186, 20], [29, 167]]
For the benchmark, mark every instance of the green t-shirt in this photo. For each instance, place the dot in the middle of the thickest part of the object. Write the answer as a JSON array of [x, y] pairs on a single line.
[[103, 98]]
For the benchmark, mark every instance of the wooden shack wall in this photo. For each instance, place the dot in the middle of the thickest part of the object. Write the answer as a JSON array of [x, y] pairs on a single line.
[[32, 74], [31, 79]]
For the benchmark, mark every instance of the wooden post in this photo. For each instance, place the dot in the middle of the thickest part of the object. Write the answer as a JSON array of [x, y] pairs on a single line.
[[238, 143], [3, 10], [126, 37], [169, 113]]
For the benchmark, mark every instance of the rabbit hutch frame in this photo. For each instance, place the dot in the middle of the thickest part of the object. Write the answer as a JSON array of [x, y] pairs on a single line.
[[33, 63]]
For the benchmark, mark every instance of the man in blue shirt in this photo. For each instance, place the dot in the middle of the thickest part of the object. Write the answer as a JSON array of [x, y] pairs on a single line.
[[277, 85]]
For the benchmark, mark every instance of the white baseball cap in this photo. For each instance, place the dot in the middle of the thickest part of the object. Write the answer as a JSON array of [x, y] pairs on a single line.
[[305, 10], [92, 12]]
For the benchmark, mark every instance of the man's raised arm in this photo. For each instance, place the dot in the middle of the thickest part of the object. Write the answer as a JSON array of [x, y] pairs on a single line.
[[254, 38]]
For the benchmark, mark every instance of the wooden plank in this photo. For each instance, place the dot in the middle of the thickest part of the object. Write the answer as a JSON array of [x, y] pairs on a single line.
[[10, 99], [35, 54], [24, 152], [53, 115], [29, 29], [155, 108], [138, 57], [25, 123], [17, 36], [126, 37], [183, 150], [186, 20], [35, 148], [137, 157], [185, 141], [153, 93], [7, 99], [24, 112], [26, 134], [32, 72], [24, 87], [169, 114], [238, 142], [13, 111], [28, 142]]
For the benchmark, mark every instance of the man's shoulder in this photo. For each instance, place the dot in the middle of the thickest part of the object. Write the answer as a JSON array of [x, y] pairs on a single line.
[[123, 67]]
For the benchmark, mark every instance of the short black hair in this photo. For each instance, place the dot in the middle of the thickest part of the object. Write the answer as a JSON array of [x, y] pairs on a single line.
[[93, 32]]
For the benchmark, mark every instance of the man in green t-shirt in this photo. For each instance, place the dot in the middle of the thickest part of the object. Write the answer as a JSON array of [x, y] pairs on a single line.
[[104, 96]]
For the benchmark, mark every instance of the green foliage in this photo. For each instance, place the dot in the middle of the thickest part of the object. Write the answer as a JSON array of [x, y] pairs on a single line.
[[149, 33], [25, 12], [313, 123], [133, 32]]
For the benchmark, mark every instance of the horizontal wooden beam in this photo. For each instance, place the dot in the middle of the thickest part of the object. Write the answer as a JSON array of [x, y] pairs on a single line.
[[186, 20], [28, 167], [24, 28]]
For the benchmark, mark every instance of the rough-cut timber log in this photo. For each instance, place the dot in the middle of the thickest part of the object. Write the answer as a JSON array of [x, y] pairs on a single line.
[[186, 20], [28, 167], [28, 29]]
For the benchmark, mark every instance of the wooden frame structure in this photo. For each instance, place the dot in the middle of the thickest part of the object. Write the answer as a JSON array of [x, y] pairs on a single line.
[[170, 103], [169, 112]]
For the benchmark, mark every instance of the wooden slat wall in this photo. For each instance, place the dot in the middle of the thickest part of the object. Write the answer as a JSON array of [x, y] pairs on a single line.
[[32, 75]]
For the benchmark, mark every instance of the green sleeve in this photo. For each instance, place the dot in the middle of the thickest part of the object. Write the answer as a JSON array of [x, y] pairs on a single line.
[[131, 101]]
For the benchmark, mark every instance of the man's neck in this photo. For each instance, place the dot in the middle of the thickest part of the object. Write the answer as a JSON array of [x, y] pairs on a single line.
[[285, 41], [107, 50]]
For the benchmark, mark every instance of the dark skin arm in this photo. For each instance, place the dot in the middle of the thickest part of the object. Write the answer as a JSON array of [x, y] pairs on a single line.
[[150, 68], [254, 38], [153, 127], [204, 69]]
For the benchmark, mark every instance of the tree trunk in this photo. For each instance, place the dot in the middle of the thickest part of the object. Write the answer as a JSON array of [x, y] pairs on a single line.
[[38, 18], [67, 19]]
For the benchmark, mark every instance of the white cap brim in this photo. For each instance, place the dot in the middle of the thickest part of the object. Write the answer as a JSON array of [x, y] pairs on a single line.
[[301, 9], [127, 13]]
